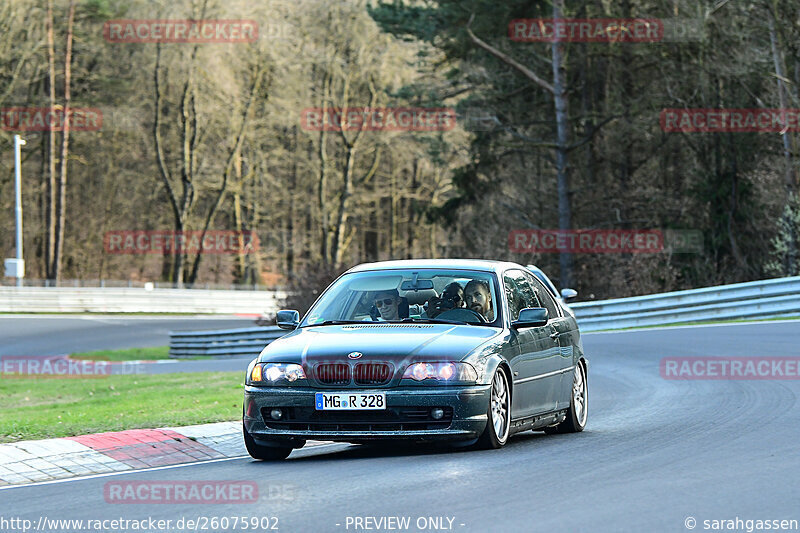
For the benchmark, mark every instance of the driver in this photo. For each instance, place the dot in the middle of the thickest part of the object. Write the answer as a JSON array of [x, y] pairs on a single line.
[[386, 302], [479, 299]]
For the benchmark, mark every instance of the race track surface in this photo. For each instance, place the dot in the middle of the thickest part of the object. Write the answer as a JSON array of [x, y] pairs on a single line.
[[64, 334], [655, 452]]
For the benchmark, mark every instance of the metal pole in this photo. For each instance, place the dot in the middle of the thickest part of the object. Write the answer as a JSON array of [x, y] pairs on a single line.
[[18, 142]]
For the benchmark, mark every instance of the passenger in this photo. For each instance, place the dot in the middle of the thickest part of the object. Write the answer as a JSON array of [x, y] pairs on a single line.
[[387, 302], [479, 299], [452, 298]]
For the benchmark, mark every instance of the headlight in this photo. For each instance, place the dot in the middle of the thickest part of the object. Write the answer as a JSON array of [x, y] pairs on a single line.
[[441, 372], [272, 372]]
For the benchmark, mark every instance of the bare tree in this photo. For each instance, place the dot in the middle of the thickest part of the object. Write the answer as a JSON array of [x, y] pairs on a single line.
[[790, 258], [61, 206], [230, 165], [50, 217], [558, 90]]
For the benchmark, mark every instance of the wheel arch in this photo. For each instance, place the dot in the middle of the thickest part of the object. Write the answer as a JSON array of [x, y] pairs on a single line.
[[496, 362], [582, 360], [509, 379]]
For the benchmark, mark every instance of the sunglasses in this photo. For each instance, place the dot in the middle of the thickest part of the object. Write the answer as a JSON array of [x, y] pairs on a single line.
[[454, 297], [386, 302]]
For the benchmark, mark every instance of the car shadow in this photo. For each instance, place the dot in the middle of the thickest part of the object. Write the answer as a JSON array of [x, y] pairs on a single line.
[[380, 450], [405, 449]]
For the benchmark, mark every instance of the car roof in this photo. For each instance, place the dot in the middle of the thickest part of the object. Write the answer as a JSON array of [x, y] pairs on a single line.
[[459, 264]]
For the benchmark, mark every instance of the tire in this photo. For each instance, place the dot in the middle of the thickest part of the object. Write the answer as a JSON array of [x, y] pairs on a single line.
[[578, 412], [498, 421], [264, 453]]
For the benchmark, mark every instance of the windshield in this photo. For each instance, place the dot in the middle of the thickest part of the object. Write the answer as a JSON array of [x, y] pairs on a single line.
[[406, 295]]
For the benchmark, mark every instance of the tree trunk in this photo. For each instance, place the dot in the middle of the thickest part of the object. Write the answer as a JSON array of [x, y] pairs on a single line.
[[234, 158], [58, 249], [253, 270], [559, 92], [562, 126], [41, 244], [50, 217], [290, 220], [163, 169], [239, 263], [339, 243], [392, 213], [180, 209], [628, 135], [323, 178], [412, 207], [790, 260], [337, 248]]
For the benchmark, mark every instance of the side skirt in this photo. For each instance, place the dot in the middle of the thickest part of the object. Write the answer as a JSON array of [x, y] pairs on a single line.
[[538, 421]]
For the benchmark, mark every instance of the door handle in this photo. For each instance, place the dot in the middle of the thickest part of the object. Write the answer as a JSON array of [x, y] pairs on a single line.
[[554, 335]]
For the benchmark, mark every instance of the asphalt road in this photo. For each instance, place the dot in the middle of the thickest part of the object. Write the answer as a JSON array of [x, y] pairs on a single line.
[[33, 335], [655, 453]]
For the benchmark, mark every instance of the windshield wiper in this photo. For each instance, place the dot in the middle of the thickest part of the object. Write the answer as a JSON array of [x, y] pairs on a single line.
[[338, 323], [432, 321]]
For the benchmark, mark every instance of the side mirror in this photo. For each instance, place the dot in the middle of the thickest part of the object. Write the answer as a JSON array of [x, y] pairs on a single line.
[[566, 294], [288, 319], [531, 317]]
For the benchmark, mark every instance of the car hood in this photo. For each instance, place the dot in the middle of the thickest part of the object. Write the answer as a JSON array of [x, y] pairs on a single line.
[[384, 342]]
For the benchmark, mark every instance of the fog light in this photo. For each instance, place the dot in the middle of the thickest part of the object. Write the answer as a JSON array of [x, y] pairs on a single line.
[[276, 414], [437, 413]]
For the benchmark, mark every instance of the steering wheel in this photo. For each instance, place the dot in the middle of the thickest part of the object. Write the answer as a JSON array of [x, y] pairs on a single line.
[[462, 314]]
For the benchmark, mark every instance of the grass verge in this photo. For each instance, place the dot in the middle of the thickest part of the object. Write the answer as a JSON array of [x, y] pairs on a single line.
[[36, 408], [129, 354]]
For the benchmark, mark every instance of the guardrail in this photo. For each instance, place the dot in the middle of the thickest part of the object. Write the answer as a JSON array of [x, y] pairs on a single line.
[[230, 342], [136, 300], [758, 299], [770, 298]]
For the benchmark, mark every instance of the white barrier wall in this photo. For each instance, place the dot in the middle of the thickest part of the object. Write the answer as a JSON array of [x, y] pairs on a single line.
[[136, 300]]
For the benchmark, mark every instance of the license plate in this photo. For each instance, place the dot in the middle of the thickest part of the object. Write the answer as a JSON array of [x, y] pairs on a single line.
[[350, 401]]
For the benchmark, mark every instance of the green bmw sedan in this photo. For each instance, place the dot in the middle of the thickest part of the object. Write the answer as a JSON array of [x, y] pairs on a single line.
[[466, 351]]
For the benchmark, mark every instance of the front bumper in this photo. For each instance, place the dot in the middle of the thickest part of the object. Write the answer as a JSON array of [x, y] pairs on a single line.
[[405, 417]]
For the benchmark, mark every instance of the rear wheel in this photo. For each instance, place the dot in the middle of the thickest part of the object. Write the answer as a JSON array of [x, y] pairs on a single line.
[[499, 415], [264, 453], [578, 405]]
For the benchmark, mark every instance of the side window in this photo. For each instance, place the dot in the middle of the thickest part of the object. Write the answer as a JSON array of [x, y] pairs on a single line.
[[521, 294], [544, 296], [516, 300]]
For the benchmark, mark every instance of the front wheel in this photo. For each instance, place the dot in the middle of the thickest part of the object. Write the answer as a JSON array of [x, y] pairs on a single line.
[[499, 415], [264, 453], [578, 405]]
